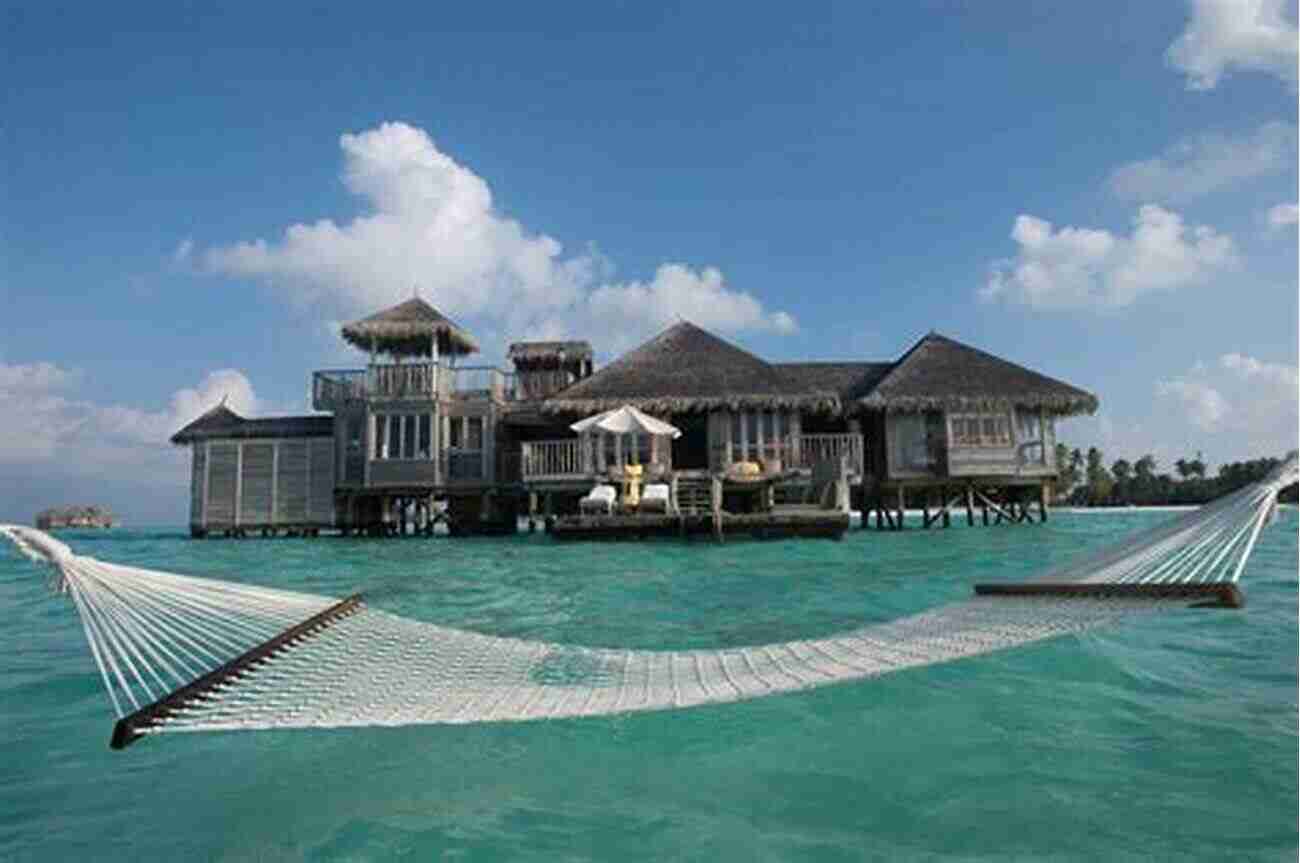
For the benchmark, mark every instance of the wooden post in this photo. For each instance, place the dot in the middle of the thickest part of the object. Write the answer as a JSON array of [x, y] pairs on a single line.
[[925, 509], [899, 526], [1042, 503], [716, 502], [947, 504], [970, 507]]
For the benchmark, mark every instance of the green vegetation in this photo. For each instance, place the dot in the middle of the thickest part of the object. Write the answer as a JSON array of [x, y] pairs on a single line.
[[1086, 481]]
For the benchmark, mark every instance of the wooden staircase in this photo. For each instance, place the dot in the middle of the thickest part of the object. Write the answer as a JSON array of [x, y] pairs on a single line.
[[694, 495]]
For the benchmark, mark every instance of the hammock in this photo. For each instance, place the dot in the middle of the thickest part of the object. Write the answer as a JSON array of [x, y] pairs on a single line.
[[191, 654]]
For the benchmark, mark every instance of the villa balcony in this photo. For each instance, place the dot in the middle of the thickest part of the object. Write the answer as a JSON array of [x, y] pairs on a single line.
[[577, 458], [333, 389]]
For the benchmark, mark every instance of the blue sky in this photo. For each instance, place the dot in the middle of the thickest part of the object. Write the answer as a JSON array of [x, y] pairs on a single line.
[[194, 197]]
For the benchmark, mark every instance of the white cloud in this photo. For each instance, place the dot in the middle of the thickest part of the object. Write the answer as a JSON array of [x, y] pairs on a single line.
[[1281, 215], [1092, 268], [1257, 403], [44, 423], [1199, 165], [1206, 407], [430, 223], [1258, 35], [35, 378]]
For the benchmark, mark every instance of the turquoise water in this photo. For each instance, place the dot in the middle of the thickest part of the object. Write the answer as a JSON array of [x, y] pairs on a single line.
[[1172, 738]]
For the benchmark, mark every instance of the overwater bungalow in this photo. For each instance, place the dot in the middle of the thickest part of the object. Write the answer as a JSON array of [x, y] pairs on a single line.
[[417, 436]]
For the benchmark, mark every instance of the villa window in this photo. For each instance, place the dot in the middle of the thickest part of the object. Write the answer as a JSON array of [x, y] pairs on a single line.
[[394, 436], [403, 436], [980, 430], [424, 447], [1029, 432], [759, 435]]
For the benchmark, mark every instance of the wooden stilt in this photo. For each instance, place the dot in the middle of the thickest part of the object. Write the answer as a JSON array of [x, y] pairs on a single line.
[[1042, 503], [899, 526], [990, 504]]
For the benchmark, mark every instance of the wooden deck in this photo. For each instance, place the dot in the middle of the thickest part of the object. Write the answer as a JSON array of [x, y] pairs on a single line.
[[781, 523]]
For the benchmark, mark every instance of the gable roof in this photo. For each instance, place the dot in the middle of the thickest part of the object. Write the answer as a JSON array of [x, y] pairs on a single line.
[[939, 372], [222, 422], [407, 328], [683, 369]]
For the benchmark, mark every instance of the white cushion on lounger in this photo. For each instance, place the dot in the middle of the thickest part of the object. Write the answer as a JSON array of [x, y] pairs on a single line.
[[655, 491], [602, 494]]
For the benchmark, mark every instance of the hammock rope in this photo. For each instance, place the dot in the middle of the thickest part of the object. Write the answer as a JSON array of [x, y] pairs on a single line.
[[179, 653]]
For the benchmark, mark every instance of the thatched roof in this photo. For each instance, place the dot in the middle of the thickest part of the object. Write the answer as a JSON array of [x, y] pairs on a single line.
[[849, 380], [222, 422], [685, 369], [548, 353], [941, 373], [407, 329]]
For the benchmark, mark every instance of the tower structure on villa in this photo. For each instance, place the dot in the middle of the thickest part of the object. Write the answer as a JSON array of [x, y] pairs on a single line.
[[944, 425]]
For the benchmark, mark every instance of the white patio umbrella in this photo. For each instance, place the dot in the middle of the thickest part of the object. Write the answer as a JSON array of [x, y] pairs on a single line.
[[626, 420]]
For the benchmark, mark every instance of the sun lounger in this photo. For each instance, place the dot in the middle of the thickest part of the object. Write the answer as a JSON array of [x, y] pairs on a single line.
[[599, 499], [655, 498]]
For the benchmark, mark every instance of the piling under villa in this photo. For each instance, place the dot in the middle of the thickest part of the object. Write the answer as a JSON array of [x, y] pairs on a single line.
[[764, 449]]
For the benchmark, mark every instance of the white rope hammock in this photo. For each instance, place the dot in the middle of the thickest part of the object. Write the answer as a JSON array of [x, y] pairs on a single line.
[[192, 654]]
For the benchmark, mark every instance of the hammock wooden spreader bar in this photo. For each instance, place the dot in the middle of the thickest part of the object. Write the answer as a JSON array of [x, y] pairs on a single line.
[[1198, 594], [131, 728]]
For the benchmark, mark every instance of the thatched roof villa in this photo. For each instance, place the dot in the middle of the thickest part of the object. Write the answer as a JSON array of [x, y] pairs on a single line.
[[415, 424]]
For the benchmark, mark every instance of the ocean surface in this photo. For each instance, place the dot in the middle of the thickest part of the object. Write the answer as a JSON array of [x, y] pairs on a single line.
[[1172, 738]]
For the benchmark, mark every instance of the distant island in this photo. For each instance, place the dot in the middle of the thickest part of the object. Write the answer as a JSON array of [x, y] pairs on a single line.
[[74, 516]]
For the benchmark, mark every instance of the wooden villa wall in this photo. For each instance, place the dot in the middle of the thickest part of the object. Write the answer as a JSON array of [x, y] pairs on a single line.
[[1017, 459], [254, 484], [198, 474], [905, 444]]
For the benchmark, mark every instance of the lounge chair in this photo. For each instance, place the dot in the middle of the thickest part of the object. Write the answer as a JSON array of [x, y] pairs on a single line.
[[599, 499], [655, 498]]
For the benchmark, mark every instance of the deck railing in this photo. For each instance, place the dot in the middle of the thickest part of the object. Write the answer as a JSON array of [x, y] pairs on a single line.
[[555, 459], [576, 458], [469, 382], [814, 448], [334, 388], [798, 452], [402, 380]]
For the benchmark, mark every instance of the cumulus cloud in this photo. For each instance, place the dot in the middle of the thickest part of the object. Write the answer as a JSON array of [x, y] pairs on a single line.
[[45, 422], [1258, 35], [1093, 268], [1254, 401], [1203, 164], [431, 223], [1281, 215], [1205, 406]]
